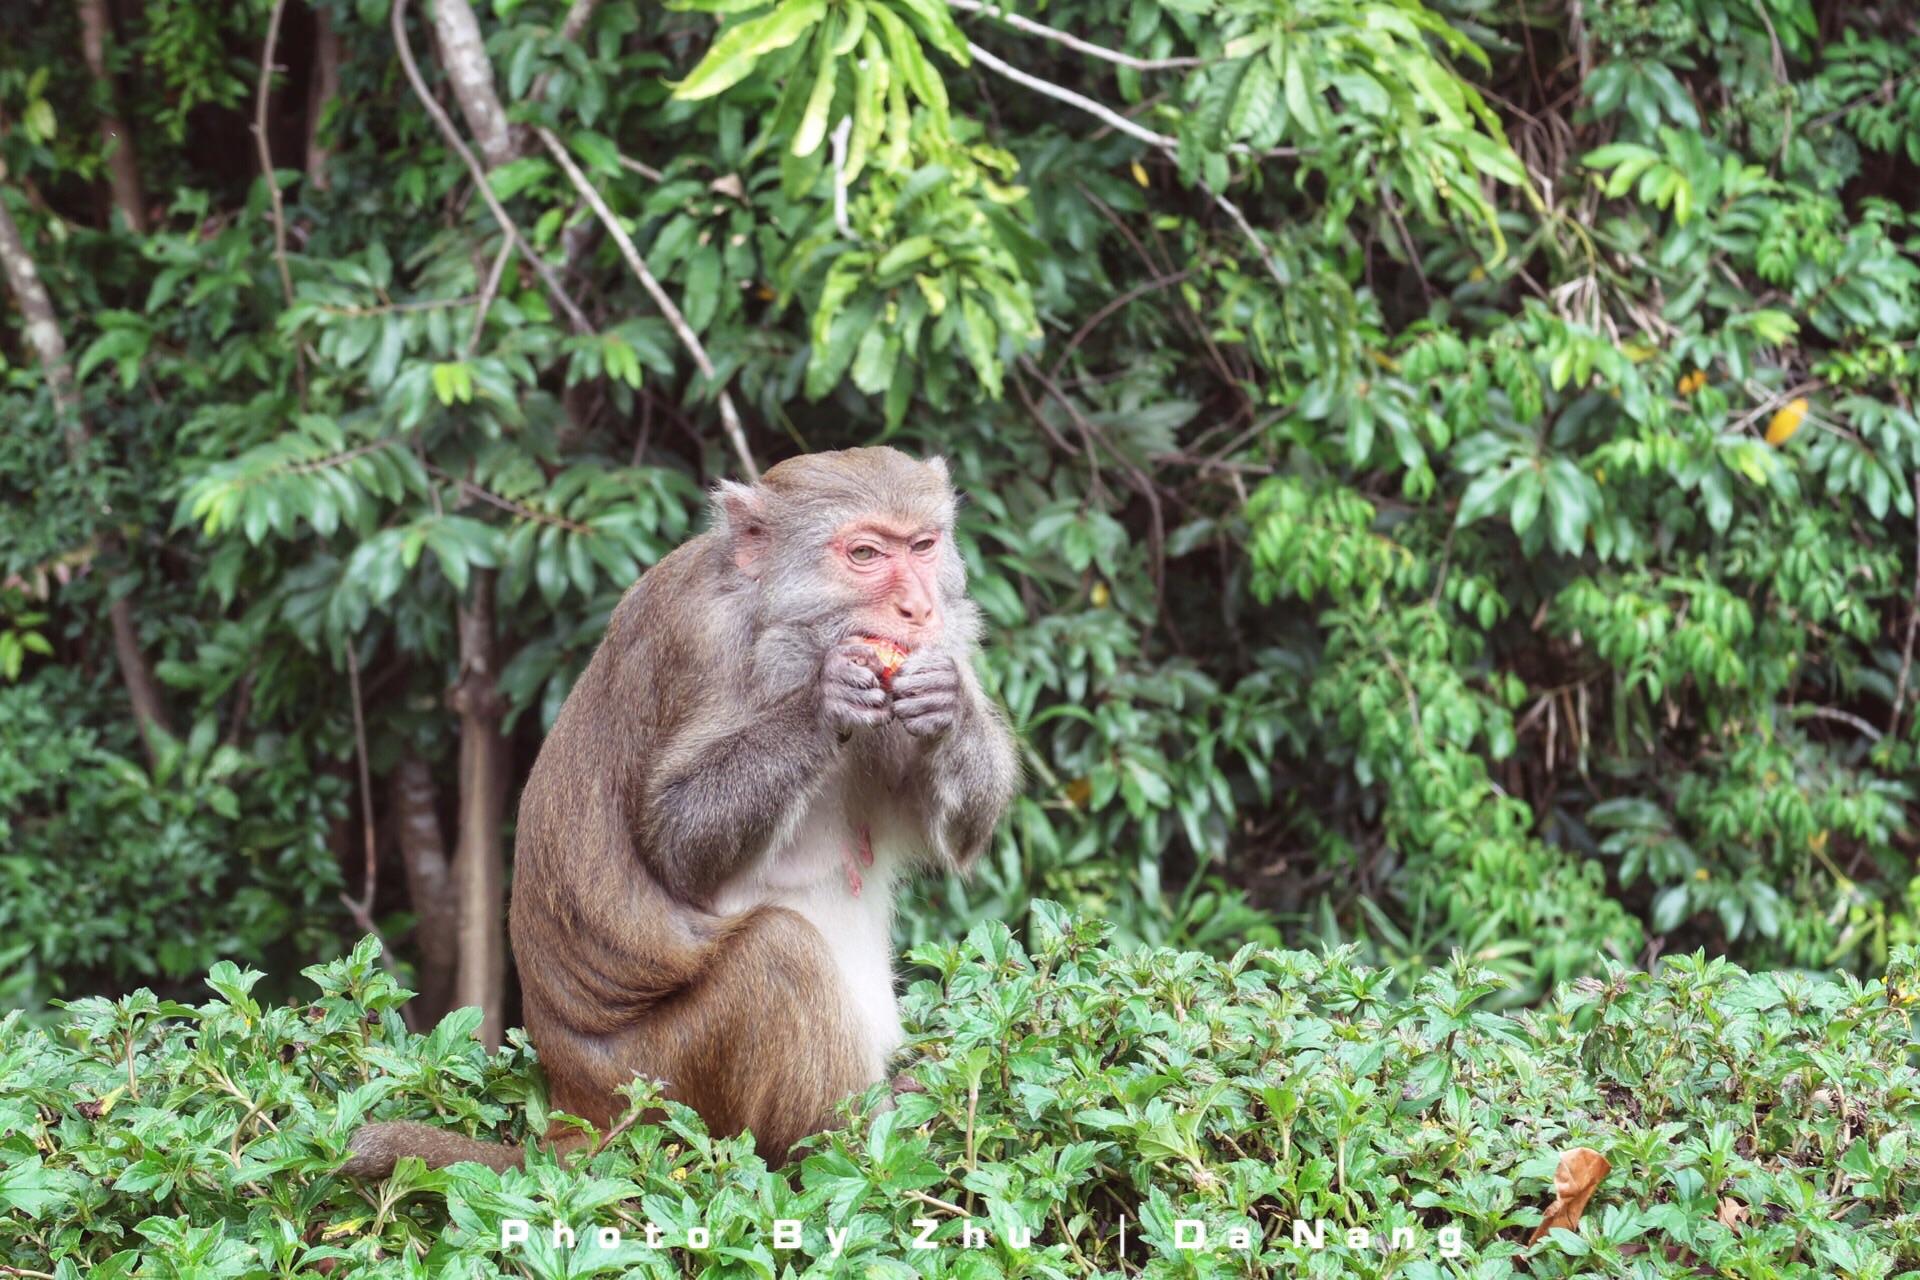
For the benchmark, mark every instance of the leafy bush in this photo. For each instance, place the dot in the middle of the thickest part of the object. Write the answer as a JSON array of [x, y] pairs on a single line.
[[1759, 1126], [1440, 474]]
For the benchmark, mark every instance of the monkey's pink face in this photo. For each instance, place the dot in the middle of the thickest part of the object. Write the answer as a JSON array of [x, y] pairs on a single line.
[[892, 574]]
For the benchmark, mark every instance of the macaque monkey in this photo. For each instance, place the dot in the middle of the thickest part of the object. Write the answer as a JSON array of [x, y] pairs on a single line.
[[710, 839]]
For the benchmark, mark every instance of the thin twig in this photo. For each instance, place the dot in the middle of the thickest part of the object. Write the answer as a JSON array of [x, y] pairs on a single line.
[[1847, 717], [473, 490], [474, 167], [1246, 229], [946, 1205], [729, 417], [487, 293], [365, 904], [1142, 483], [361, 908], [1060, 94], [1112, 118], [1913, 620], [572, 27], [839, 141], [626, 1122], [646, 171], [422, 304], [266, 150], [1031, 27], [1093, 322]]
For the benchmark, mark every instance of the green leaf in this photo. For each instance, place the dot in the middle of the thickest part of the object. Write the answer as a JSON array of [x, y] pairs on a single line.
[[732, 57], [813, 121]]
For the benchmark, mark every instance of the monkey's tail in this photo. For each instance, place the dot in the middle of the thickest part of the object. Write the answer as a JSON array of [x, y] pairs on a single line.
[[377, 1148]]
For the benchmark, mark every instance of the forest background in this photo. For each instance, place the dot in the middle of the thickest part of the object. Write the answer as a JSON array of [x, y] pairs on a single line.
[[1438, 476]]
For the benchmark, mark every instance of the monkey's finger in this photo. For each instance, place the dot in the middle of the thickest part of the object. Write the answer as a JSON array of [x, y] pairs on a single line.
[[928, 725], [867, 696], [853, 675], [918, 716], [859, 655], [923, 682]]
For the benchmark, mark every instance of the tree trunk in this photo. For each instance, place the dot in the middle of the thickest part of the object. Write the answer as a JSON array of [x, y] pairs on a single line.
[[123, 168], [478, 870], [44, 336], [471, 73], [429, 886], [324, 88]]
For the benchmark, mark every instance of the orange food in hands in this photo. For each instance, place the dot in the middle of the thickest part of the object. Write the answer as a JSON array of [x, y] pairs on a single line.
[[890, 654]]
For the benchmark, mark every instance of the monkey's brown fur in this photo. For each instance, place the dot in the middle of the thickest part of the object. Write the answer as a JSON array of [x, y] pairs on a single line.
[[674, 835]]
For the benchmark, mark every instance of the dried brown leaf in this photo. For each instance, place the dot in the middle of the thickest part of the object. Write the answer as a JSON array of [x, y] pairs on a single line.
[[1574, 1183]]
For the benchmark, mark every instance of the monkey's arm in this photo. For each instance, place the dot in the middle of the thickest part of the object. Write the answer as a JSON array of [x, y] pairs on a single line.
[[721, 801], [723, 797]]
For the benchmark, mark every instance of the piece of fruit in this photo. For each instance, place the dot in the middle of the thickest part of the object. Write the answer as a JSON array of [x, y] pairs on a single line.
[[890, 654]]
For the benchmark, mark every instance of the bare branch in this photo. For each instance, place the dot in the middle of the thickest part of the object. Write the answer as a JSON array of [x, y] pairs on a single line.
[[1846, 718], [260, 95], [1113, 119], [470, 72], [48, 343], [729, 417], [487, 293], [1075, 43], [1061, 94], [452, 135], [839, 139], [572, 27], [324, 89], [1913, 621], [123, 169]]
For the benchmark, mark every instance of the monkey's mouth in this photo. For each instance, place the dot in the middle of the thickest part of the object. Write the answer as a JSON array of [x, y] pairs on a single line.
[[878, 638]]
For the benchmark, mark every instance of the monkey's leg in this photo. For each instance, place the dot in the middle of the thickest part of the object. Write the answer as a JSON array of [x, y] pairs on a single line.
[[765, 1038]]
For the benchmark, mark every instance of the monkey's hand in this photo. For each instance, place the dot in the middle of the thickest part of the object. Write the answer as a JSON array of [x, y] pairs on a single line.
[[851, 695], [927, 693]]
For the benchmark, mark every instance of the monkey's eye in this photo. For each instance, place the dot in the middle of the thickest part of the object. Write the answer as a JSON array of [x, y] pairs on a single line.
[[862, 554], [923, 546]]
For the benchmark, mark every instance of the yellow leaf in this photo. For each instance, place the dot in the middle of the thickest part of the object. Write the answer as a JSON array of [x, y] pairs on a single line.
[[1100, 595], [1139, 173], [1786, 421], [1692, 382]]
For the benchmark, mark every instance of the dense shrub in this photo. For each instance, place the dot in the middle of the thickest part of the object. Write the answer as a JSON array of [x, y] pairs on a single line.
[[1440, 474], [1757, 1125]]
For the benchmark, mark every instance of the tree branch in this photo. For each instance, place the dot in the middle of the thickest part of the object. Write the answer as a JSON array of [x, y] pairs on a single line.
[[324, 89], [260, 95], [1061, 94], [1075, 43], [50, 345], [729, 417], [123, 168], [1113, 119], [1913, 621], [452, 136], [470, 71]]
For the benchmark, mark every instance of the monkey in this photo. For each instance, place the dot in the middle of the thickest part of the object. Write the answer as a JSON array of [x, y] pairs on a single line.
[[710, 839]]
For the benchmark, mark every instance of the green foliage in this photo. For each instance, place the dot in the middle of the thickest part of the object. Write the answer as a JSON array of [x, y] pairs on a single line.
[[1438, 475], [1067, 1087], [109, 867]]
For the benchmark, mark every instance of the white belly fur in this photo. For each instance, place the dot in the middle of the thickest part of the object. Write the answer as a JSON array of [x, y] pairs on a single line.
[[807, 874]]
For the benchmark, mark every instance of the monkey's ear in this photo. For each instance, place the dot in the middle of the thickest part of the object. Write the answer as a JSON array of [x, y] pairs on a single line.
[[938, 465], [743, 512]]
